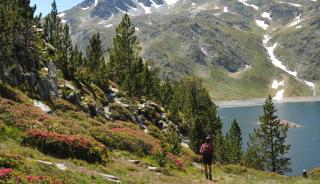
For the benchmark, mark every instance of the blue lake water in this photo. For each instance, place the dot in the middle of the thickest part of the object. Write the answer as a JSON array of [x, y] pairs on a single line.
[[305, 140]]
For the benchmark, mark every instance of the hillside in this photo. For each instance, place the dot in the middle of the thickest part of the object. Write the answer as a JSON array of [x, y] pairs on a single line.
[[33, 166], [68, 116], [218, 41]]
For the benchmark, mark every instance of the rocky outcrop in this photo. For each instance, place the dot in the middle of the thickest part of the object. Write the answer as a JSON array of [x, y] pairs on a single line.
[[289, 124], [48, 84]]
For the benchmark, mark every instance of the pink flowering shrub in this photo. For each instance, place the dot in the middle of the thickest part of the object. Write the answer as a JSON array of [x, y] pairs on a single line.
[[175, 160], [64, 146], [5, 173], [9, 160]]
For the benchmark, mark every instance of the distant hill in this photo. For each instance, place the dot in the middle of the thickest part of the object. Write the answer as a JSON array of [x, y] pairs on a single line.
[[219, 41]]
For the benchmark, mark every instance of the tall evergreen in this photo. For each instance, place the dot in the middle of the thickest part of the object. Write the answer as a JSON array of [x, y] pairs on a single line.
[[125, 51], [95, 63], [65, 52], [53, 27], [6, 37], [234, 143], [271, 136]]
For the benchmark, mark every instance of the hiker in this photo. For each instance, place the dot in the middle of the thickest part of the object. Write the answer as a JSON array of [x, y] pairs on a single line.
[[207, 155]]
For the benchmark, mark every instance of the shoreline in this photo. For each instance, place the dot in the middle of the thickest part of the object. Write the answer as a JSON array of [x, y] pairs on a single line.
[[260, 101]]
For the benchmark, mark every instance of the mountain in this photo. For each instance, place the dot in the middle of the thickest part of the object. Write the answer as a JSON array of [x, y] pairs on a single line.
[[220, 41]]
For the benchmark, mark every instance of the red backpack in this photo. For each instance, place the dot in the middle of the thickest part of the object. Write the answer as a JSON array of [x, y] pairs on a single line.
[[207, 150]]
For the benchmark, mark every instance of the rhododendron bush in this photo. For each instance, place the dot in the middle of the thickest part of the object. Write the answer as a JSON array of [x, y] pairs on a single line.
[[64, 146]]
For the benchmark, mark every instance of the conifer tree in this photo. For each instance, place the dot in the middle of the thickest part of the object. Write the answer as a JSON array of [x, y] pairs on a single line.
[[271, 136], [6, 38], [95, 62], [197, 134], [66, 51], [125, 51], [53, 27], [234, 143]]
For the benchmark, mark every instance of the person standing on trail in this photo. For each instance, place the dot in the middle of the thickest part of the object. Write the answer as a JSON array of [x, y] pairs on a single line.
[[206, 151]]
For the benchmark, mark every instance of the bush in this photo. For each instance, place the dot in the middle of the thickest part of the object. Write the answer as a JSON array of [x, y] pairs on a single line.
[[175, 160], [9, 160], [119, 112], [126, 136], [116, 138], [5, 173], [64, 146]]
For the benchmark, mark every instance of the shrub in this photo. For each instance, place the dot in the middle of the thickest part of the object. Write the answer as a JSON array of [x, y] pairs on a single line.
[[9, 160], [126, 136], [161, 158], [120, 140], [175, 160], [119, 112], [64, 146], [5, 173], [156, 132]]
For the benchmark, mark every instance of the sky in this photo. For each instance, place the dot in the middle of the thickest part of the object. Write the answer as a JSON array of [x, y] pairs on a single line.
[[44, 6]]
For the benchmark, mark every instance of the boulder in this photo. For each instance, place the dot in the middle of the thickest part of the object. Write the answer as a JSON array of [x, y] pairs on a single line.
[[48, 85]]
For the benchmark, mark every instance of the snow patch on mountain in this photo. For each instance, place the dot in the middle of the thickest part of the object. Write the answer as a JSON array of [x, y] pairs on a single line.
[[292, 4], [247, 4], [276, 84], [298, 27], [296, 21], [204, 51], [276, 62], [225, 9], [61, 15], [96, 2], [279, 95], [85, 8], [109, 25], [171, 2], [147, 10], [266, 15], [262, 24]]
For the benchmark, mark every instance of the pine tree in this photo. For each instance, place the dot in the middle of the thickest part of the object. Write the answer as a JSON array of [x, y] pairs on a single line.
[[219, 142], [197, 134], [53, 27], [76, 64], [271, 136], [254, 155], [6, 38], [174, 141], [95, 62], [125, 51], [65, 52], [234, 143]]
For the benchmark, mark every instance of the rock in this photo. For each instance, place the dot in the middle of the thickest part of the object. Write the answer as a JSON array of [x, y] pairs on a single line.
[[44, 162], [289, 124], [93, 109], [155, 169], [61, 167], [42, 106], [48, 86], [74, 98], [135, 161], [110, 178]]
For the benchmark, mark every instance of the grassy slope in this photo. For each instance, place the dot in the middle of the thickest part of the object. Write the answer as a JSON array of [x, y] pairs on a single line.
[[83, 172]]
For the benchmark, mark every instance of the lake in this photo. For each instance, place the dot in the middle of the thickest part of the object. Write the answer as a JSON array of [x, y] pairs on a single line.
[[305, 140]]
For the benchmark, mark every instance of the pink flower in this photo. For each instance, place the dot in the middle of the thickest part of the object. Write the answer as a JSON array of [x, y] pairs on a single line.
[[4, 172]]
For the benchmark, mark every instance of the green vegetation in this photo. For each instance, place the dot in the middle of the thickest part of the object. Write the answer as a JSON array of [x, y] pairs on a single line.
[[69, 117], [267, 149]]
